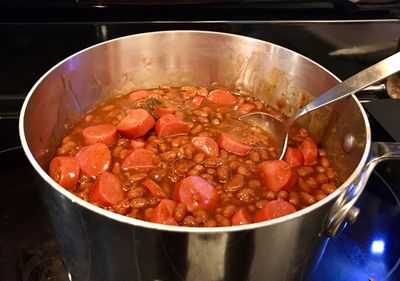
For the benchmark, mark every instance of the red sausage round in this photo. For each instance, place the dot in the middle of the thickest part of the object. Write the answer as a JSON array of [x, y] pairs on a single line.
[[170, 125], [107, 190], [164, 213], [274, 209], [94, 159], [160, 111], [136, 124], [154, 188], [277, 175], [196, 193], [138, 95], [65, 171], [310, 151], [140, 158], [105, 133], [245, 108], [221, 97], [294, 157], [233, 144], [241, 217], [206, 145]]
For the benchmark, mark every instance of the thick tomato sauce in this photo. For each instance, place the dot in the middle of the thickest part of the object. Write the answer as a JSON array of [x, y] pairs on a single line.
[[179, 156]]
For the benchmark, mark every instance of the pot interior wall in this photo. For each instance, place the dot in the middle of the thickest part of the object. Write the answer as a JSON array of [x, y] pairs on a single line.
[[277, 75]]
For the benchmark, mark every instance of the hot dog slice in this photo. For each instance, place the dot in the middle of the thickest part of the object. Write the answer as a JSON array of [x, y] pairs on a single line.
[[164, 213], [277, 175], [105, 133], [240, 217], [206, 145], [65, 171], [221, 97], [233, 144], [154, 188], [160, 111], [94, 159], [245, 108], [136, 124], [138, 95], [107, 190], [170, 125], [140, 158], [196, 193], [294, 157], [274, 209], [138, 143], [310, 151]]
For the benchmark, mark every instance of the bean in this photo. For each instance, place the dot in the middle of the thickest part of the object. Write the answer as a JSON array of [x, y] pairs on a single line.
[[152, 147], [152, 201], [117, 150], [270, 195], [133, 213], [236, 183], [138, 202], [66, 139], [294, 198], [211, 171], [220, 116], [321, 153], [311, 182], [320, 169], [66, 147], [234, 165], [203, 120], [223, 154], [116, 169], [199, 168], [198, 158], [200, 113], [261, 203], [147, 214], [330, 173], [283, 195], [193, 172], [304, 171], [89, 118], [258, 104], [223, 173], [215, 121], [228, 210], [254, 183], [307, 198], [202, 215], [169, 155], [325, 162], [135, 192], [320, 196], [163, 147], [255, 156], [321, 178], [108, 107], [137, 177], [328, 188], [210, 223], [196, 129], [189, 150], [222, 221], [243, 171], [264, 155], [246, 195], [180, 212], [207, 177], [202, 91]]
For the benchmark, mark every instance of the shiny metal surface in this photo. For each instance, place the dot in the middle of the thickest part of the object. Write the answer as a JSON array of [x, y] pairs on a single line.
[[357, 82], [100, 245]]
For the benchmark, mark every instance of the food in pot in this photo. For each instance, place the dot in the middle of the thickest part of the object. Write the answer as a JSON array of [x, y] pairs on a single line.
[[180, 156]]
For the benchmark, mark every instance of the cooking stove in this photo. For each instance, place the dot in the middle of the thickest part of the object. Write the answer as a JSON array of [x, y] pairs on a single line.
[[367, 250]]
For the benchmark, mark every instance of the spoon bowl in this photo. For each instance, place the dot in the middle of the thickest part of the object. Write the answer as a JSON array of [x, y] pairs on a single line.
[[279, 129]]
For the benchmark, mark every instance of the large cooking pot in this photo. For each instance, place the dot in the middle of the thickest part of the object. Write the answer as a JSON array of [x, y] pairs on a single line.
[[99, 245]]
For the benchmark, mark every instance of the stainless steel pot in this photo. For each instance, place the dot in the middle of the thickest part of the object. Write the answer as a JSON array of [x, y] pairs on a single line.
[[100, 245]]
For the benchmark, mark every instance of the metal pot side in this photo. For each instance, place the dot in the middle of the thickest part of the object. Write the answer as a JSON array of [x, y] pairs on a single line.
[[99, 245]]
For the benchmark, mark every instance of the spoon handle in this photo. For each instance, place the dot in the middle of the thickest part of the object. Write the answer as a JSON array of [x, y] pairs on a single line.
[[352, 85]]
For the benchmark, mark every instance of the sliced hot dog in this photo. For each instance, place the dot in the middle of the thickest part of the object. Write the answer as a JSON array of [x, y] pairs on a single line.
[[197, 101], [245, 108], [136, 124], [164, 213], [294, 157], [170, 125], [154, 188], [221, 97], [274, 209], [206, 145], [138, 143], [160, 111], [232, 144], [105, 133], [240, 217], [65, 171], [94, 159], [107, 190], [140, 158], [277, 175], [310, 151], [138, 95], [196, 193]]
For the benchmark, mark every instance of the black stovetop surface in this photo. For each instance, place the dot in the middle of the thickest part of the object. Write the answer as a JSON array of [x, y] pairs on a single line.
[[367, 250]]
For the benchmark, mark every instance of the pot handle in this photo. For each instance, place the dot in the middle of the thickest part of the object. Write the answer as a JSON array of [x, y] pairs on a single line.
[[344, 211]]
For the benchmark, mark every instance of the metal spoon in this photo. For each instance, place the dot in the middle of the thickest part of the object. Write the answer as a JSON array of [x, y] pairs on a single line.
[[280, 129]]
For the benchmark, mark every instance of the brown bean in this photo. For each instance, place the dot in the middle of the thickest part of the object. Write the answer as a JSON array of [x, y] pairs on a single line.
[[228, 210], [222, 221], [163, 147], [294, 198], [66, 147], [169, 155], [147, 214], [223, 173], [193, 172], [254, 184], [116, 151], [202, 215], [283, 195], [258, 104], [138, 202], [133, 213], [223, 154], [305, 171], [137, 177], [320, 196], [261, 203], [180, 212], [211, 171], [270, 195], [196, 129], [210, 223], [330, 173], [234, 165], [207, 177], [198, 158], [307, 198], [320, 169], [135, 192], [89, 118], [251, 208], [321, 178], [246, 195], [311, 182], [255, 156], [152, 201], [328, 188], [236, 183], [321, 153], [116, 169], [199, 168], [215, 121], [200, 113], [325, 162], [203, 120], [242, 170]]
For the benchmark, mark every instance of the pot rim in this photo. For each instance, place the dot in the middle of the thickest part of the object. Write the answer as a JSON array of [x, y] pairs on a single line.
[[155, 226]]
